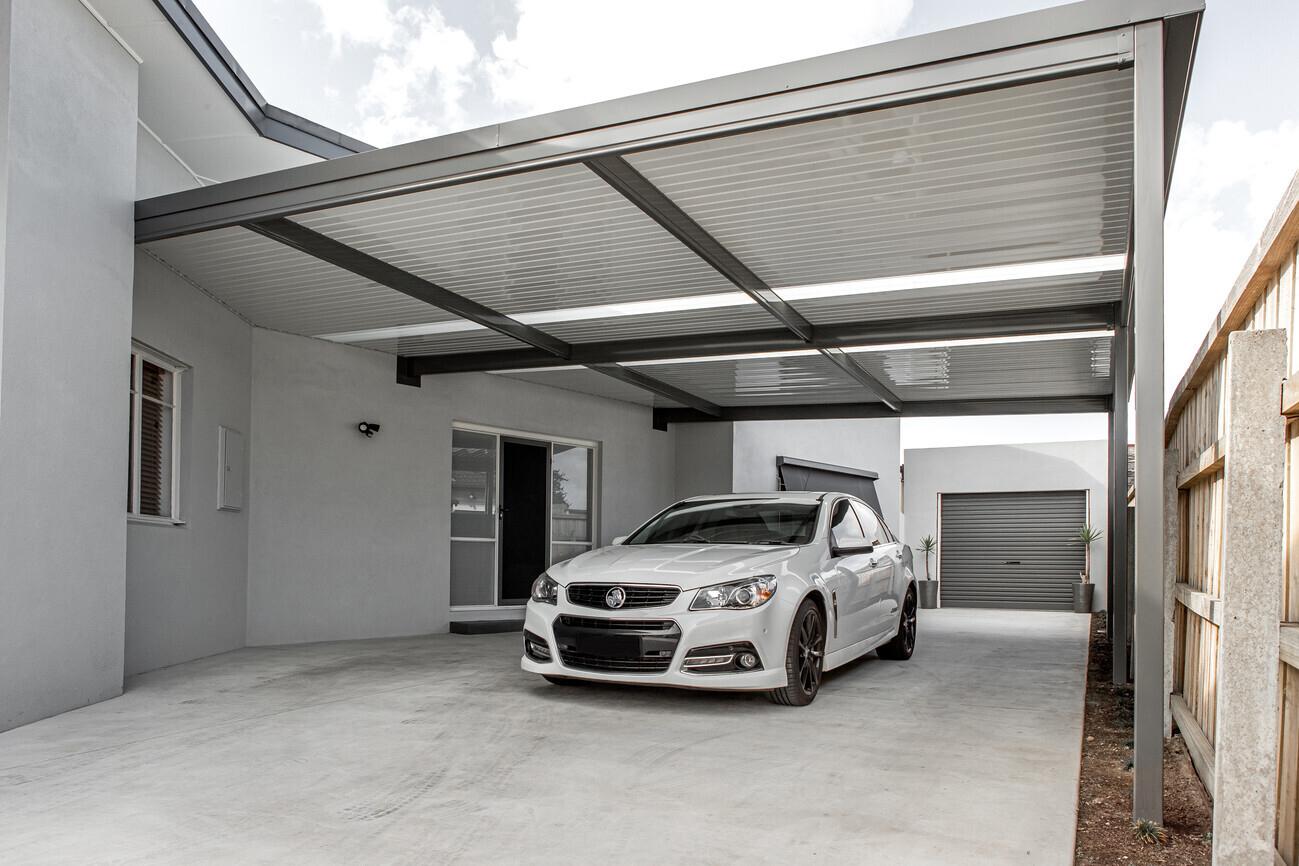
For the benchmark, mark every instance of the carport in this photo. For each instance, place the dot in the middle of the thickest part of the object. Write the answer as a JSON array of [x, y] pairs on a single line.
[[968, 222]]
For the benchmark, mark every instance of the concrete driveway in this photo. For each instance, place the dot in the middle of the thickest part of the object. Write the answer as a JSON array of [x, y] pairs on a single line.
[[440, 750]]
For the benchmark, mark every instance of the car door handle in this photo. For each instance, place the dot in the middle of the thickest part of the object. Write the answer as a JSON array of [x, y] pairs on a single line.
[[873, 563]]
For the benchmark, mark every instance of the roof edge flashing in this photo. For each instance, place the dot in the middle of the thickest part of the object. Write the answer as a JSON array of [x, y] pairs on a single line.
[[270, 121]]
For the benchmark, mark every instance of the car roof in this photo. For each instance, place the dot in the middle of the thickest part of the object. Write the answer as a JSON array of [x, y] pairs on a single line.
[[800, 496]]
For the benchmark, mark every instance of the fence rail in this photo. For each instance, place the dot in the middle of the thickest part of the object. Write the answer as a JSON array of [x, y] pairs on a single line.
[[1200, 430]]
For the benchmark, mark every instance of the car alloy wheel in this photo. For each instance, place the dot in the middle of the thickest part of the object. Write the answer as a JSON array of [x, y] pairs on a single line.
[[811, 651]]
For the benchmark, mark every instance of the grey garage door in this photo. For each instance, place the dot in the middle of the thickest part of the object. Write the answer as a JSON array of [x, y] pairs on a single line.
[[1011, 550]]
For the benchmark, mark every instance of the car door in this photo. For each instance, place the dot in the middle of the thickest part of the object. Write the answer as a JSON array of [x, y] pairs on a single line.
[[847, 578], [884, 569]]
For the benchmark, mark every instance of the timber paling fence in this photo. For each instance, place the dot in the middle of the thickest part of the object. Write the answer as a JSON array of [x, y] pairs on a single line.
[[1232, 556]]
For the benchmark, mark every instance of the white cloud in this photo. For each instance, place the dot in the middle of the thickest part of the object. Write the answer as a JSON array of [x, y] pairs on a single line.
[[1227, 183], [421, 72], [575, 52]]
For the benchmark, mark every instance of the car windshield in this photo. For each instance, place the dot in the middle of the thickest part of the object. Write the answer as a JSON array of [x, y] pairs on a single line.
[[731, 522]]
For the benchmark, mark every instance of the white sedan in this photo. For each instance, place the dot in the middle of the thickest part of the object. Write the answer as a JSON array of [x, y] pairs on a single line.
[[757, 592]]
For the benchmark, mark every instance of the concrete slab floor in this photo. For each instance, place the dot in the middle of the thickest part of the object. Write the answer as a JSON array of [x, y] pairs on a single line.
[[440, 750]]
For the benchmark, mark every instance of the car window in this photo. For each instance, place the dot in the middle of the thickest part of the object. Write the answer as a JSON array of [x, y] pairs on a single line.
[[730, 522], [845, 529], [871, 524]]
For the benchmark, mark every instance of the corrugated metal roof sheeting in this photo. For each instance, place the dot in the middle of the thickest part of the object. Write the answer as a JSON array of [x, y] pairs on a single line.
[[547, 239], [718, 321], [1058, 368], [762, 381], [276, 287], [956, 300], [1039, 171], [590, 382]]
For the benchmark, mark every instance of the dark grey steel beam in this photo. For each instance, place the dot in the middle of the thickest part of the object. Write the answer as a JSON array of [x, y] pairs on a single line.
[[619, 174], [916, 409], [655, 386], [1052, 320], [863, 377], [1120, 598], [325, 248]]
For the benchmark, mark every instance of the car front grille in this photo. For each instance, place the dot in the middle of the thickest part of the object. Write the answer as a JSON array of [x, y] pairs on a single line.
[[593, 595], [616, 645]]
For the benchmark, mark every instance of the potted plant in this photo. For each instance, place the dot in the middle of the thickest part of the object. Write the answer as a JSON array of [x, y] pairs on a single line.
[[1083, 589], [928, 587]]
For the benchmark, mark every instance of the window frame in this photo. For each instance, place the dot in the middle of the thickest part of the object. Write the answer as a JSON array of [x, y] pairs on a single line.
[[139, 354]]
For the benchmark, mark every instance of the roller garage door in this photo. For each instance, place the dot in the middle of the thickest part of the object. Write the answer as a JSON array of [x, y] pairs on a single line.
[[1010, 550]]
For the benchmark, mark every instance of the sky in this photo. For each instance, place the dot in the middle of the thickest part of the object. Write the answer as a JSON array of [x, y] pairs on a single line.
[[389, 71]]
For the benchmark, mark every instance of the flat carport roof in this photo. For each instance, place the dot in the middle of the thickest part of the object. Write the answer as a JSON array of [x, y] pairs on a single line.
[[964, 222]]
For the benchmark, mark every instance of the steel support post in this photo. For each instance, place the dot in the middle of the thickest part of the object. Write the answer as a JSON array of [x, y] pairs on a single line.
[[1148, 322]]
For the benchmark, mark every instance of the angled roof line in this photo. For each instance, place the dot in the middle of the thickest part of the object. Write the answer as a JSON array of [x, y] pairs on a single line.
[[270, 121]]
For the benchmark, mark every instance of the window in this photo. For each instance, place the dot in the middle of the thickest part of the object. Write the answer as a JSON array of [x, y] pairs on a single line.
[[876, 534], [730, 521], [571, 496], [845, 530], [151, 490]]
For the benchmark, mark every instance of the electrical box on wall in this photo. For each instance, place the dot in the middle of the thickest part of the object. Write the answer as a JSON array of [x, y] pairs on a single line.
[[230, 469]]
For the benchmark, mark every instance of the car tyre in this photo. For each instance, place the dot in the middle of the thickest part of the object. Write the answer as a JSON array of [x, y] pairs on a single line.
[[904, 642], [804, 658]]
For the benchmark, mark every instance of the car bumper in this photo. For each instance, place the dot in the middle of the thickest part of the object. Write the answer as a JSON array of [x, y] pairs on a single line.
[[766, 628]]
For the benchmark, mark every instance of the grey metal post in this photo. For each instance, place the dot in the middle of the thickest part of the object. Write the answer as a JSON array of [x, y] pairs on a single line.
[[1245, 759], [1148, 323], [1118, 602]]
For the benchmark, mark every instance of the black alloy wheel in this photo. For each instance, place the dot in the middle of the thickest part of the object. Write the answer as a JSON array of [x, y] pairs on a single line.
[[804, 658], [904, 643]]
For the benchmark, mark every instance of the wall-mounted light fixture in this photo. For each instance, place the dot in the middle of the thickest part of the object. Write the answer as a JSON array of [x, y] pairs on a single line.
[[368, 429]]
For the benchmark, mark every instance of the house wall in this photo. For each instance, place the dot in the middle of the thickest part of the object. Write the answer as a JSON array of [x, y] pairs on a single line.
[[349, 537], [186, 585], [65, 324], [705, 458], [860, 443], [997, 468]]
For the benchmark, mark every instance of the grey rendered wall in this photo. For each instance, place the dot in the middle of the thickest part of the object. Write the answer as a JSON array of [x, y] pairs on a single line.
[[349, 536], [872, 444], [65, 320], [186, 586], [994, 468], [704, 458]]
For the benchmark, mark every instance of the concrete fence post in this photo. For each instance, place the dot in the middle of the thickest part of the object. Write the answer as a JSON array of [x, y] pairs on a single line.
[[1245, 750]]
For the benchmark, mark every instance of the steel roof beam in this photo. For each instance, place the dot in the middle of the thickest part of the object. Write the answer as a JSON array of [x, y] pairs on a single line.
[[656, 386], [915, 408], [326, 249], [863, 377], [1051, 320], [633, 186]]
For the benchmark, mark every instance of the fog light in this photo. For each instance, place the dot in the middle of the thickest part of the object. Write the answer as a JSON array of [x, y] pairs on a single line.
[[707, 661], [748, 660]]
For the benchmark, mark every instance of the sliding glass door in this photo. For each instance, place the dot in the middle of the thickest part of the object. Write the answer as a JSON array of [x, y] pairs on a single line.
[[519, 502]]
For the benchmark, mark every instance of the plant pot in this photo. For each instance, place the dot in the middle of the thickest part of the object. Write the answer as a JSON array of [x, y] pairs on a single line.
[[928, 593], [1082, 597]]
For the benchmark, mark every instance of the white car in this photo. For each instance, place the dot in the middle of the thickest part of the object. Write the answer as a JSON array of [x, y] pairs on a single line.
[[757, 592]]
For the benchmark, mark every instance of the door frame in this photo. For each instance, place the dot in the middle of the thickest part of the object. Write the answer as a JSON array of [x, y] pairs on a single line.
[[594, 507]]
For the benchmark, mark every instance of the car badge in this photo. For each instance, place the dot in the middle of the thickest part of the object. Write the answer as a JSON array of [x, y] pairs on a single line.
[[615, 597]]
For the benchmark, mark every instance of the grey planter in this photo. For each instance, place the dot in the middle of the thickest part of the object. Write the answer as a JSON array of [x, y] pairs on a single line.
[[928, 593], [1082, 597]]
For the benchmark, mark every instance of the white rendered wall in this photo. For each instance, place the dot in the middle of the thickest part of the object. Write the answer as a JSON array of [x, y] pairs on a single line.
[[68, 91], [998, 468], [705, 455], [186, 586], [860, 443], [349, 537]]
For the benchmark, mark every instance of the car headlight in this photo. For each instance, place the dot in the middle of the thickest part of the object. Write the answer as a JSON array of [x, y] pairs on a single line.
[[736, 595], [545, 590]]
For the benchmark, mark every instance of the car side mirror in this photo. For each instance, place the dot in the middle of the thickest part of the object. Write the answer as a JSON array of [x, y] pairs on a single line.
[[619, 539], [836, 550]]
